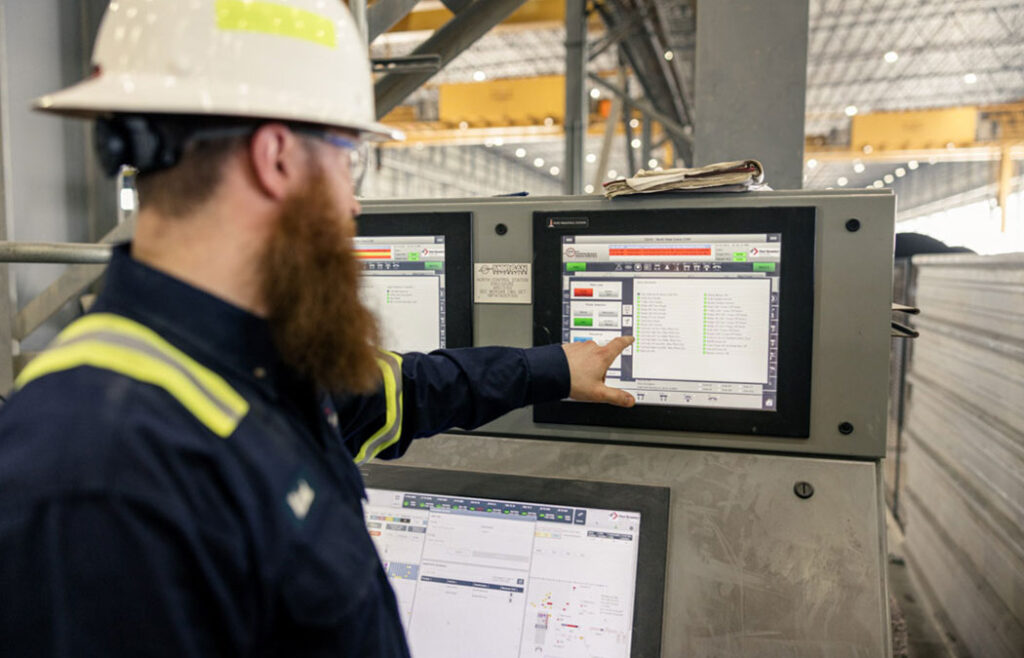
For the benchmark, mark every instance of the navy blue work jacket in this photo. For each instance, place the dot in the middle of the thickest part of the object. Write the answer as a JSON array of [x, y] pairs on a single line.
[[169, 488]]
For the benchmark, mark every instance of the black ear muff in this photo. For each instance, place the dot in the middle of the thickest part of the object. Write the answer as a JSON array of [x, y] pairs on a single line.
[[135, 141]]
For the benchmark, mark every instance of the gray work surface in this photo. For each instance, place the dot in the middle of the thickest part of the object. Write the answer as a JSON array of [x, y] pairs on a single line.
[[753, 570], [853, 283]]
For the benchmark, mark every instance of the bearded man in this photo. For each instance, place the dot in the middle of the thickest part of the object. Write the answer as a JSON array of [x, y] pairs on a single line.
[[177, 472]]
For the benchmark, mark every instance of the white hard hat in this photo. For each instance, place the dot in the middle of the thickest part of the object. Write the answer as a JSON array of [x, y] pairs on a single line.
[[287, 60]]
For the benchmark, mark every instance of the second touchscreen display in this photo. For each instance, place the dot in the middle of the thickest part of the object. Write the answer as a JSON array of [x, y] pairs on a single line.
[[703, 310]]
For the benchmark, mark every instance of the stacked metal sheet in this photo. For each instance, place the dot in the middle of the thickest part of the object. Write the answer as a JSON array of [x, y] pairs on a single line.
[[963, 498]]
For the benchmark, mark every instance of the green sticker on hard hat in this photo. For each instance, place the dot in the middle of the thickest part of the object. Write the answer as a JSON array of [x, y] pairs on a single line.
[[276, 19]]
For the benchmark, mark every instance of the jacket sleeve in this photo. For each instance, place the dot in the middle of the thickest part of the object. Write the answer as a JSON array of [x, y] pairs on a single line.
[[424, 394]]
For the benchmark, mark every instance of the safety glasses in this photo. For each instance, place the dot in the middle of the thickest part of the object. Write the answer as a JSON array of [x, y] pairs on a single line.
[[358, 153]]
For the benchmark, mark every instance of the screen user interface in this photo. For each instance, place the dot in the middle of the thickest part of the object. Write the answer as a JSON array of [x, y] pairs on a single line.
[[703, 311], [403, 284], [500, 578]]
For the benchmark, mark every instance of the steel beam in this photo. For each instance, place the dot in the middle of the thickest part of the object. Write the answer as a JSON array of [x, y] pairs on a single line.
[[647, 63], [670, 124], [385, 14], [575, 94], [455, 6], [458, 34]]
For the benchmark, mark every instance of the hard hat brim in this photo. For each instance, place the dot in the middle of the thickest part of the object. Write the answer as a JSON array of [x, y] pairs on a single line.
[[148, 94]]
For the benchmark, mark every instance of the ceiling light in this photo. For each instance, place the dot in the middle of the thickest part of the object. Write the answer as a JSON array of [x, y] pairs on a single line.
[[912, 165], [970, 78], [888, 179], [891, 57], [858, 167], [634, 123], [842, 181], [589, 189], [877, 183], [479, 76], [867, 149], [900, 172], [463, 125], [595, 93], [636, 143], [652, 163], [555, 171], [850, 110], [669, 55], [658, 169], [549, 121], [539, 162], [612, 173], [520, 153], [812, 163], [591, 158]]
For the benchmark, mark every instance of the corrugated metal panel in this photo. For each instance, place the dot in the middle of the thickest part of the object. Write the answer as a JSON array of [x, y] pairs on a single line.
[[963, 496]]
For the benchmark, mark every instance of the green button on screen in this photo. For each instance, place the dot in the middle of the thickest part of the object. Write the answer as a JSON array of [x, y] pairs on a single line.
[[764, 267], [583, 322], [575, 267], [433, 265], [739, 257]]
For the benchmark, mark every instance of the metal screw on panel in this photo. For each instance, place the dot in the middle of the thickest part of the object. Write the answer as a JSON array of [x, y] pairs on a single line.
[[853, 225], [500, 229], [846, 427], [803, 490]]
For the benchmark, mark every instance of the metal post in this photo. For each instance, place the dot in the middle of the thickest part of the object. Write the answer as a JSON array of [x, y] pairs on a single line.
[[54, 252], [7, 297], [751, 83], [575, 94], [609, 134], [646, 138], [627, 118], [457, 35]]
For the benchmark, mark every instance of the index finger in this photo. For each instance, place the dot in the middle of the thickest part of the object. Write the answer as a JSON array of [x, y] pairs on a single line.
[[616, 345]]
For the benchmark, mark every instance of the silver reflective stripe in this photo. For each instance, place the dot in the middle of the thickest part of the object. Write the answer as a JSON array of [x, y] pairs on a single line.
[[393, 430], [122, 340]]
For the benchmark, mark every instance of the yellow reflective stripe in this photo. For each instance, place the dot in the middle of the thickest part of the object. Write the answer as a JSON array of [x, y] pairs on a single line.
[[276, 19], [136, 365], [391, 369], [108, 322]]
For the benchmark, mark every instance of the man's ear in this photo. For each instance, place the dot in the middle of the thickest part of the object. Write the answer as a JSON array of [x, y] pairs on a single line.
[[278, 160]]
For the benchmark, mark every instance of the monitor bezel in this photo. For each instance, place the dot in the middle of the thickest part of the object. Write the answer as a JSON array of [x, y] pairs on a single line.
[[651, 502], [456, 227], [796, 313]]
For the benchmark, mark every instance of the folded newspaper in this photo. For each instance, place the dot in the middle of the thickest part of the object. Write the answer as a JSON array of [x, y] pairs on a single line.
[[735, 176]]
